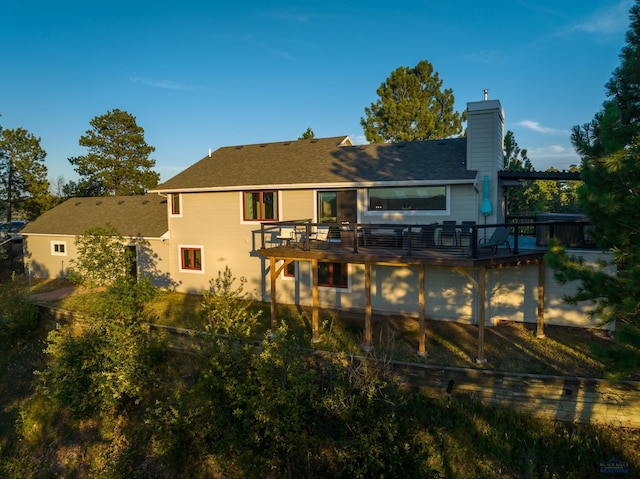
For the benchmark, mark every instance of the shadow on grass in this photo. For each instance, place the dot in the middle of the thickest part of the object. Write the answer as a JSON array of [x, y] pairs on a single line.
[[622, 357]]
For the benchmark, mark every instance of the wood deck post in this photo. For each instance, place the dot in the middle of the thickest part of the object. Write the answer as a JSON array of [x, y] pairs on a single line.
[[482, 286], [273, 274], [368, 335], [315, 335], [422, 348], [541, 277]]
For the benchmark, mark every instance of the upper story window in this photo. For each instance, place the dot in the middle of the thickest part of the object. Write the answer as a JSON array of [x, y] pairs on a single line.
[[421, 198], [337, 206], [174, 198], [260, 205]]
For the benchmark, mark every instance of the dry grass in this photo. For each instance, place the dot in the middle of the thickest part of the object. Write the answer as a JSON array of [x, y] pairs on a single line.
[[512, 347]]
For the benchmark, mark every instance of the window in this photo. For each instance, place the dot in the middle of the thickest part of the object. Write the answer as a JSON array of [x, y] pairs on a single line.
[[260, 205], [191, 258], [333, 275], [289, 271], [337, 206], [423, 198], [59, 248], [175, 204]]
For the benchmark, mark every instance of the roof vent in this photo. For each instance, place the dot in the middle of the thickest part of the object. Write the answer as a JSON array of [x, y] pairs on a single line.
[[486, 94], [287, 143], [209, 152], [314, 140], [98, 202], [263, 145], [78, 203], [144, 202], [120, 202]]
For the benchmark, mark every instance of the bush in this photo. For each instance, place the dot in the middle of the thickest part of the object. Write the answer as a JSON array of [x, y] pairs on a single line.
[[18, 315]]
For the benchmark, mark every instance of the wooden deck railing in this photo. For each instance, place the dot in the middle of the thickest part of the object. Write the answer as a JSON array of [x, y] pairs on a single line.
[[467, 240]]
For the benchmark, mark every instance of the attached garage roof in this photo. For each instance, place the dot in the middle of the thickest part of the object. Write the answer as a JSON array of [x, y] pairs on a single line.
[[143, 216]]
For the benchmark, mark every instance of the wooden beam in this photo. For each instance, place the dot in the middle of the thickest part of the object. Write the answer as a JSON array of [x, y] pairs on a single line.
[[482, 296], [368, 334], [541, 281], [422, 348], [273, 274], [315, 334]]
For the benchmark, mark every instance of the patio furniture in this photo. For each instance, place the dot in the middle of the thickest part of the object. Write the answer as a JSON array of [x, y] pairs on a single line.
[[286, 235], [320, 236], [465, 230], [449, 230], [499, 237]]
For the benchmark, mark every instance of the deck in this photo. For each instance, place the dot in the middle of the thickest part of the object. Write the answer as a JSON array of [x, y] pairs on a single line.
[[409, 244], [458, 248]]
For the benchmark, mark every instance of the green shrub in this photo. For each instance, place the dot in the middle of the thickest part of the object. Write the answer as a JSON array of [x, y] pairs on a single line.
[[18, 315]]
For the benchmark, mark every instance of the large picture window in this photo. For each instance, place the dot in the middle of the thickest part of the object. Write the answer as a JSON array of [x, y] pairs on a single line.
[[191, 259], [422, 198], [333, 275], [260, 205]]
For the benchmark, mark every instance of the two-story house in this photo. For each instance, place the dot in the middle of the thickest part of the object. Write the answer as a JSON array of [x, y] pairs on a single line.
[[374, 203]]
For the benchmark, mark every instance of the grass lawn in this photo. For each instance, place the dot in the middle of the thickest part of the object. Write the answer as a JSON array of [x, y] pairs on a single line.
[[511, 347]]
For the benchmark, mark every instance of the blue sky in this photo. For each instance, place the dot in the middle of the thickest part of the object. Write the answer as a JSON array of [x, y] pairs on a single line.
[[203, 74]]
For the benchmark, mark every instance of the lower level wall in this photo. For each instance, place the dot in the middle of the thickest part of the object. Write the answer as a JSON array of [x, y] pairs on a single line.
[[511, 294]]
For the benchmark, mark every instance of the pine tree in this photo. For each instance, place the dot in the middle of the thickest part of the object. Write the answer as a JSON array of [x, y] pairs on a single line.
[[412, 107], [610, 193], [118, 160], [23, 174]]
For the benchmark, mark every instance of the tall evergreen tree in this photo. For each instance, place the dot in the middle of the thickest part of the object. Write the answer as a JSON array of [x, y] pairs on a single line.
[[23, 174], [118, 161], [412, 106], [610, 194]]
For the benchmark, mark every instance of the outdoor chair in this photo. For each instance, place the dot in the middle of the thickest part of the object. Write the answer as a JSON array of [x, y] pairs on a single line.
[[449, 230], [320, 236], [465, 230], [286, 235], [499, 237]]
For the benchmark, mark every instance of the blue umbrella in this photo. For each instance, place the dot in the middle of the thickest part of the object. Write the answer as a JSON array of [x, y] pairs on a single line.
[[485, 207]]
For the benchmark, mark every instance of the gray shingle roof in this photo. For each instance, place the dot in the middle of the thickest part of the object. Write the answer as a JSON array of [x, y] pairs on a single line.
[[144, 215], [323, 161]]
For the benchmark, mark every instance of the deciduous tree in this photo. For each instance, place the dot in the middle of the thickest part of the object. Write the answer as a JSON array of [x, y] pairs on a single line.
[[102, 257], [118, 160], [412, 106]]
